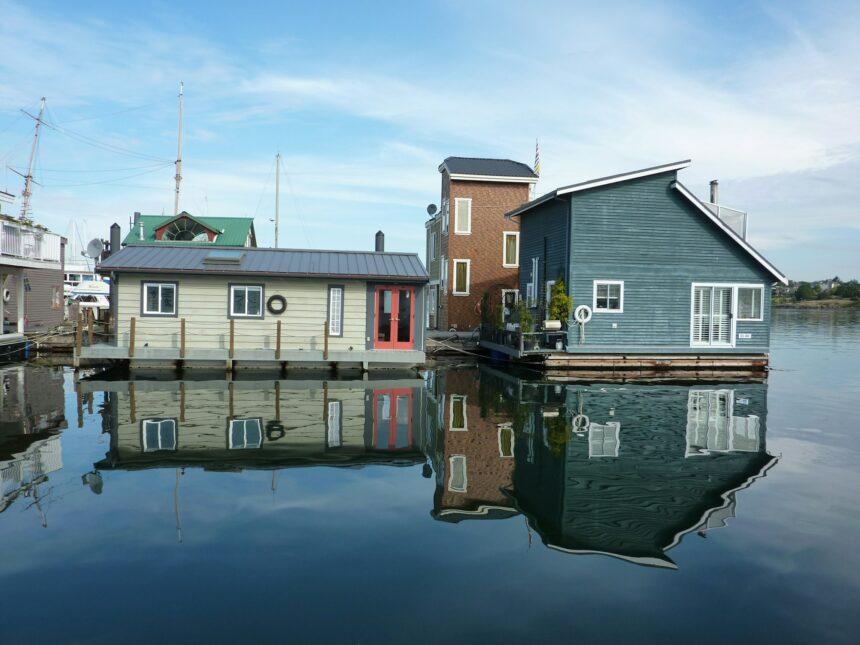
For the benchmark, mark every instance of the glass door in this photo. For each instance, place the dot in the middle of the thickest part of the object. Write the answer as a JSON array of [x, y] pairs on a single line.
[[394, 319], [712, 316]]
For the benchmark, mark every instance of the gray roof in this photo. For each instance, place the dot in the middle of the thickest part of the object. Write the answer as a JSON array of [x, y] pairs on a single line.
[[488, 167], [401, 267]]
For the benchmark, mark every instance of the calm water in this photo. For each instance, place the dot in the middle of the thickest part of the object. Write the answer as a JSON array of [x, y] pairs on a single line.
[[469, 505]]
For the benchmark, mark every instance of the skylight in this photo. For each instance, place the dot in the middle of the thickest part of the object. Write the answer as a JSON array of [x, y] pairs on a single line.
[[224, 256]]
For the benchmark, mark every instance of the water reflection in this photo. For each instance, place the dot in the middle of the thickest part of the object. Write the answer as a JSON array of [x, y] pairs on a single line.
[[31, 416], [622, 470]]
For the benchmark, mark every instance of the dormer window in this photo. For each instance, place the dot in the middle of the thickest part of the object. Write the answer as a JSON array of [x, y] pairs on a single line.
[[186, 230]]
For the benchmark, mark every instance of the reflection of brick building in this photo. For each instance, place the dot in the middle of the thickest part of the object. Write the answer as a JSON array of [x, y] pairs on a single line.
[[477, 463]]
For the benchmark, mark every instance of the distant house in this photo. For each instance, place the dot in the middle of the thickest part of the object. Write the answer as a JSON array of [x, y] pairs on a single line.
[[31, 279], [656, 269], [245, 305], [216, 231], [472, 249]]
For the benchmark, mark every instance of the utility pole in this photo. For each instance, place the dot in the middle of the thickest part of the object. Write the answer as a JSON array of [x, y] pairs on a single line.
[[179, 153], [28, 178], [277, 196]]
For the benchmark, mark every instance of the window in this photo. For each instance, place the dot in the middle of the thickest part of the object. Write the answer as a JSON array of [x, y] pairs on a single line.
[[461, 277], [609, 296], [246, 301], [334, 427], [431, 307], [431, 246], [245, 433], [462, 216], [158, 434], [531, 286], [335, 311], [457, 480], [159, 299], [750, 303], [506, 440], [603, 439], [459, 423], [510, 249], [711, 315]]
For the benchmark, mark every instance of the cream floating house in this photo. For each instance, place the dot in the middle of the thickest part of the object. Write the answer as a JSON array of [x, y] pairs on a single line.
[[245, 306]]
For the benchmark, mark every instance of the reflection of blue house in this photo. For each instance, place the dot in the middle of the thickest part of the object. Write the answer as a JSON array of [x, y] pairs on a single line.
[[658, 269], [643, 466]]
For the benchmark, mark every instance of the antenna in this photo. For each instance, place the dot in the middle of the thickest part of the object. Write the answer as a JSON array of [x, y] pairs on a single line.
[[94, 248], [28, 178], [277, 196], [179, 153]]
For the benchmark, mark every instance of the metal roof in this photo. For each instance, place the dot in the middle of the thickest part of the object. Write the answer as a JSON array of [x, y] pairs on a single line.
[[404, 267], [488, 167], [232, 231]]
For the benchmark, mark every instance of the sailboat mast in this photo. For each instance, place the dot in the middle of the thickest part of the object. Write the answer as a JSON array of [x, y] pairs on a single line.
[[277, 196], [179, 153], [28, 178]]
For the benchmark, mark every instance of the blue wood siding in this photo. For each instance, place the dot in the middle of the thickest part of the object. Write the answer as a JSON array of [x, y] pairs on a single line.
[[544, 235], [646, 234]]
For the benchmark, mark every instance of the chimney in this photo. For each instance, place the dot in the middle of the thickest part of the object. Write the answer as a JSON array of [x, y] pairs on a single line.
[[715, 191], [380, 241], [115, 241]]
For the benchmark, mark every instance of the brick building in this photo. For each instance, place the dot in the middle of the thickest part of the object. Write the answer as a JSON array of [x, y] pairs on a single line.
[[472, 249]]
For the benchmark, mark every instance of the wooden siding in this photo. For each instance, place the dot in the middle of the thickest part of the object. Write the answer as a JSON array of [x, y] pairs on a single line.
[[543, 235], [644, 233], [39, 310], [203, 302]]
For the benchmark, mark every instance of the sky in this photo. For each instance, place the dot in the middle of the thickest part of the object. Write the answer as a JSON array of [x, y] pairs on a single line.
[[364, 99]]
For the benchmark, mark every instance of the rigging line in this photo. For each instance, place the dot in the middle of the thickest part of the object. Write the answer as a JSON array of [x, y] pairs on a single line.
[[151, 165], [109, 114], [297, 207], [101, 144], [108, 181], [265, 185]]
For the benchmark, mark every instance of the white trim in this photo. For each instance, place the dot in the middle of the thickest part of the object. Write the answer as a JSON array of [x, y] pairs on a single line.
[[495, 178], [247, 288], [760, 288], [245, 445], [465, 486], [451, 399], [728, 230], [732, 313], [468, 230], [468, 277], [505, 235], [598, 310], [160, 286]]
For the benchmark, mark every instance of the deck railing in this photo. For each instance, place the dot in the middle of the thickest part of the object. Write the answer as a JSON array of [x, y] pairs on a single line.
[[22, 241], [537, 342]]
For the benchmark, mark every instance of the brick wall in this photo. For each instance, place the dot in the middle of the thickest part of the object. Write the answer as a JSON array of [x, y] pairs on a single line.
[[490, 202]]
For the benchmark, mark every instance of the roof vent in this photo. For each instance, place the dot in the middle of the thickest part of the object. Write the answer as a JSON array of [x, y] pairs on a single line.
[[224, 256]]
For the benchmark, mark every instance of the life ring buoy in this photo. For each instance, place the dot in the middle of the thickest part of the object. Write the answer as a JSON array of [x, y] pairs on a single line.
[[7, 295], [582, 314], [276, 304], [274, 431], [581, 423]]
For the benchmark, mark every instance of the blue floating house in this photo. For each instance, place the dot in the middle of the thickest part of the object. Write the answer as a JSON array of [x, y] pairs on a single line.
[[655, 274]]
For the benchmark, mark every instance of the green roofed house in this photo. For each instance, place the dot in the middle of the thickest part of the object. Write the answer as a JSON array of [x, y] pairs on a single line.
[[185, 228]]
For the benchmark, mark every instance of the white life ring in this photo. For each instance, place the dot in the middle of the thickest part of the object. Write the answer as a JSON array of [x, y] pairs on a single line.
[[7, 295], [582, 314], [581, 421]]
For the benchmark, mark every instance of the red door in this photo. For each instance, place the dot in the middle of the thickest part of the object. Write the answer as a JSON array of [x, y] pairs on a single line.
[[394, 318], [392, 419]]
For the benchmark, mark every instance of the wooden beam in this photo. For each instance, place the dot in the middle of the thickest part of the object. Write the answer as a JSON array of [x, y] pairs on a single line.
[[278, 341], [131, 402], [182, 402], [182, 338], [79, 332], [90, 327], [325, 341], [230, 393], [131, 337], [232, 337]]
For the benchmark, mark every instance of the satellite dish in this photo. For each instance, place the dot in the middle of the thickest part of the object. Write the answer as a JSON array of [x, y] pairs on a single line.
[[200, 237], [431, 209], [95, 248]]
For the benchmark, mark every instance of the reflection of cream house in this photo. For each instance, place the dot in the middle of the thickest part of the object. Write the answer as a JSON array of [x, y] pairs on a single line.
[[713, 427]]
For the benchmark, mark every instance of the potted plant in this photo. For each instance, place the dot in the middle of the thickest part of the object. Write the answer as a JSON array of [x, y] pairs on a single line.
[[560, 306]]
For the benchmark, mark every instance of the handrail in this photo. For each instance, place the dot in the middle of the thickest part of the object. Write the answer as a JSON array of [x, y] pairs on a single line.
[[29, 243]]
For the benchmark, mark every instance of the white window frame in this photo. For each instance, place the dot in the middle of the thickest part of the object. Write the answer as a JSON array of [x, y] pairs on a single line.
[[335, 323], [756, 287], [244, 422], [451, 399], [468, 229], [247, 288], [465, 486], [468, 277], [732, 313], [158, 422], [505, 235], [334, 424], [160, 285], [597, 309]]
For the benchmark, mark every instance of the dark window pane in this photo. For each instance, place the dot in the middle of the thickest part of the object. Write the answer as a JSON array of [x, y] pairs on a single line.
[[238, 300], [168, 297], [151, 298], [254, 303]]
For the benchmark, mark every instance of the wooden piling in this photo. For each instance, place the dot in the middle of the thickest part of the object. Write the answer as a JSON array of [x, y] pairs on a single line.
[[80, 400], [277, 400], [230, 396], [182, 402], [278, 341], [131, 402], [232, 337], [79, 332], [182, 338], [90, 317], [325, 341], [131, 323], [325, 402]]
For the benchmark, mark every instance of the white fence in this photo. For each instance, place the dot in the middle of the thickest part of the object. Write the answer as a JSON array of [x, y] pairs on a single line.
[[22, 241]]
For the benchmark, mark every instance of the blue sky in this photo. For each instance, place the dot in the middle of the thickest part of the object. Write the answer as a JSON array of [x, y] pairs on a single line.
[[364, 100]]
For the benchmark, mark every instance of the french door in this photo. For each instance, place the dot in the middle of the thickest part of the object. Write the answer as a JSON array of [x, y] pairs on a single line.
[[394, 319], [712, 316], [392, 419]]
